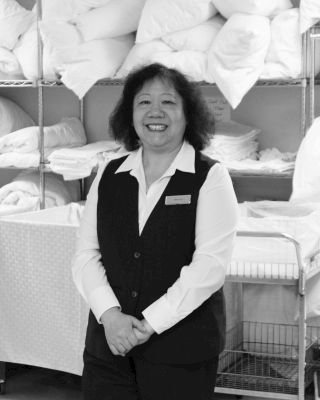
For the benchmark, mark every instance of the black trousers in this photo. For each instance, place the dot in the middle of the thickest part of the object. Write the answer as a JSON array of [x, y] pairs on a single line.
[[133, 378]]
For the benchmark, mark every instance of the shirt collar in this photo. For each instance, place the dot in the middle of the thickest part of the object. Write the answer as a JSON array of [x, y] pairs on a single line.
[[184, 161]]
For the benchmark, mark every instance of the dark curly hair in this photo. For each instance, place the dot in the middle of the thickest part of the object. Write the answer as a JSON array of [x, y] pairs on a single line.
[[199, 121]]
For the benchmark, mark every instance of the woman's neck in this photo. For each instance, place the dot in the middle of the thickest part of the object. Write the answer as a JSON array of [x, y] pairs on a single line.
[[155, 164]]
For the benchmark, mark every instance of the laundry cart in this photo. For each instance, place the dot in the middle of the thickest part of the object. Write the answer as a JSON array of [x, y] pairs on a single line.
[[268, 354]]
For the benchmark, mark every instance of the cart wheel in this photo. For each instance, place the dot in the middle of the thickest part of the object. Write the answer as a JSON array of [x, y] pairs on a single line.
[[2, 387]]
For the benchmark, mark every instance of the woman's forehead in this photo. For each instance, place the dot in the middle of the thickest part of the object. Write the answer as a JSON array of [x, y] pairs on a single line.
[[157, 83]]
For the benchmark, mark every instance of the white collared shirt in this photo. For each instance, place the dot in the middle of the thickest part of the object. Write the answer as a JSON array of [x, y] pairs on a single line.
[[216, 221]]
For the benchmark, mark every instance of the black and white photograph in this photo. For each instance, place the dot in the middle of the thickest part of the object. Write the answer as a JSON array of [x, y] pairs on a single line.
[[159, 199]]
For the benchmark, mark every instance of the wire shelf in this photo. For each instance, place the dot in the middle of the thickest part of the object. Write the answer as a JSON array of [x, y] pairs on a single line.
[[261, 174], [263, 357], [260, 82], [18, 83]]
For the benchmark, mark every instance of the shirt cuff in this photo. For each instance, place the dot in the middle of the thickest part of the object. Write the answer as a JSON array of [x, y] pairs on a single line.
[[101, 299], [160, 316]]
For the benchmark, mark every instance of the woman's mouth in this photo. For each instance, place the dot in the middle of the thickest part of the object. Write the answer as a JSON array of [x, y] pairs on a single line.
[[157, 127]]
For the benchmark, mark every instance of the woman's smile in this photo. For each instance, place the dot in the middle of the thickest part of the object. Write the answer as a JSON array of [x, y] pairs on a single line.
[[157, 127]]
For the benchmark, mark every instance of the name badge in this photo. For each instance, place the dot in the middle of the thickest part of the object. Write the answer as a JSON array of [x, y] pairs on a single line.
[[178, 199]]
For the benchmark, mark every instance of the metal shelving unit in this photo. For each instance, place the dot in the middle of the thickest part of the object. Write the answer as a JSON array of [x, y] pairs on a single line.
[[304, 82]]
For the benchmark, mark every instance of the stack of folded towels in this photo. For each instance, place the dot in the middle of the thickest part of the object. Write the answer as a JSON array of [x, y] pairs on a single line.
[[233, 141]]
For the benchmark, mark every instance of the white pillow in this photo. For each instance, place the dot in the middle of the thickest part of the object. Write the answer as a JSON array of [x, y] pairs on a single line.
[[283, 59], [62, 10], [26, 50], [141, 54], [84, 65], [161, 17], [309, 14], [193, 64], [116, 18], [198, 38], [9, 63], [14, 21], [267, 8], [12, 117], [56, 36], [236, 56]]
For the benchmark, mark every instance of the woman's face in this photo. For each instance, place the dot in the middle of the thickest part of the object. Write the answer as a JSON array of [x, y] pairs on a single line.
[[158, 116]]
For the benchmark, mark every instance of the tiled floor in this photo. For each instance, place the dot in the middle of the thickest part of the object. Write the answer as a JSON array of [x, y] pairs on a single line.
[[31, 383]]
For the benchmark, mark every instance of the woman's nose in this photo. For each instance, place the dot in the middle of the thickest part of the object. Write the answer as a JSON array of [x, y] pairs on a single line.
[[156, 111]]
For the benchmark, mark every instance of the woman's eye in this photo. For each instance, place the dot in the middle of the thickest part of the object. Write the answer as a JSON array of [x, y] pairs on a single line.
[[168, 102], [143, 102]]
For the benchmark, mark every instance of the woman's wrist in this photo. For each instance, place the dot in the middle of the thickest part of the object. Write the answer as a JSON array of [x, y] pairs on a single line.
[[148, 327]]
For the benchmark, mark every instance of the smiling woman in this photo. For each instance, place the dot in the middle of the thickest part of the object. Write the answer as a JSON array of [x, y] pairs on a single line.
[[155, 240]]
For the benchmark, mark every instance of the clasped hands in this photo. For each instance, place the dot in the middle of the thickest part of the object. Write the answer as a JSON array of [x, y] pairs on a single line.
[[123, 331]]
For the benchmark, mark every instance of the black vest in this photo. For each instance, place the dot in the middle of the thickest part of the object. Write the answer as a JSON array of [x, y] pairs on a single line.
[[140, 269]]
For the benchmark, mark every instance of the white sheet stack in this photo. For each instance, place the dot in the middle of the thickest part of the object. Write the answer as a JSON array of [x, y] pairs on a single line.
[[78, 162], [233, 141]]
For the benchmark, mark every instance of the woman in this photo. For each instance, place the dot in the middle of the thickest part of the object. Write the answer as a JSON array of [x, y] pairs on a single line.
[[155, 240]]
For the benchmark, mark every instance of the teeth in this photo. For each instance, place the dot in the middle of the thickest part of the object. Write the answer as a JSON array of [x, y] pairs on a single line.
[[157, 127]]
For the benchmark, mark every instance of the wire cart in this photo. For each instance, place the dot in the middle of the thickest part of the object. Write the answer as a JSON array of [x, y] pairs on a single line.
[[271, 360]]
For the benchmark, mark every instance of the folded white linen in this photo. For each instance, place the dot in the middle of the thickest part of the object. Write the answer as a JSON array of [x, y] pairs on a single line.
[[20, 160], [69, 132], [233, 141], [271, 166], [236, 56], [197, 38], [25, 160], [9, 63], [76, 163], [24, 191], [81, 67]]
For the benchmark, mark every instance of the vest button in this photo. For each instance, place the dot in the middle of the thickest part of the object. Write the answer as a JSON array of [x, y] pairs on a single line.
[[134, 294], [136, 254]]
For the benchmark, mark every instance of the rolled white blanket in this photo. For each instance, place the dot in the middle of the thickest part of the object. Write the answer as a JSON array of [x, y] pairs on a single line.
[[23, 193]]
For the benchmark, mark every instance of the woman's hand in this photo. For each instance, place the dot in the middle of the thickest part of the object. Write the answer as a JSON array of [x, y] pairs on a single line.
[[144, 336], [121, 330]]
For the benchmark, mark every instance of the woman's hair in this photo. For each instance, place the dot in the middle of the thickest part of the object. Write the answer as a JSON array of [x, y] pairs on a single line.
[[199, 121]]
